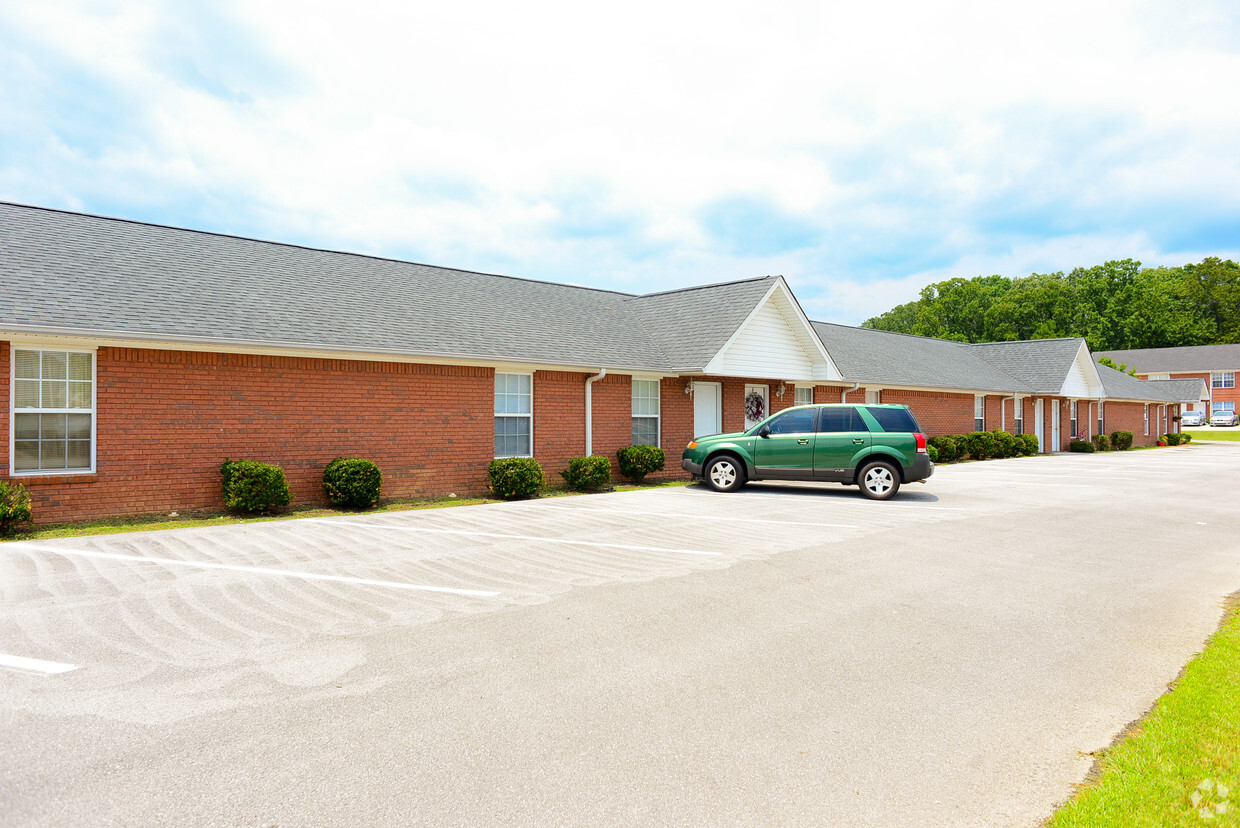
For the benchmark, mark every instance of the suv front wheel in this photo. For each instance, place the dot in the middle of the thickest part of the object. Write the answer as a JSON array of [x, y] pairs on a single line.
[[725, 474], [879, 480]]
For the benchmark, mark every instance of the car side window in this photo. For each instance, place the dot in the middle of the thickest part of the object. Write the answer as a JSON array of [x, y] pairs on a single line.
[[800, 421], [840, 419], [894, 419]]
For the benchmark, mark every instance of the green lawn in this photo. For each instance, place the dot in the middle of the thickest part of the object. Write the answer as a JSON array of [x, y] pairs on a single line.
[[1180, 765], [1228, 434], [212, 517]]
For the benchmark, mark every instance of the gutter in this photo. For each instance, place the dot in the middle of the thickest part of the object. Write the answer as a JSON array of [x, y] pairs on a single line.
[[1003, 412], [845, 392], [602, 372]]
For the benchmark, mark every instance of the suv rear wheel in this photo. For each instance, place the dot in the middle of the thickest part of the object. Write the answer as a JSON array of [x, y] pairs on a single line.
[[879, 480]]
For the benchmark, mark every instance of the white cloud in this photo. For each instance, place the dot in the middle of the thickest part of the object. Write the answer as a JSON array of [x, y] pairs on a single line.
[[587, 143]]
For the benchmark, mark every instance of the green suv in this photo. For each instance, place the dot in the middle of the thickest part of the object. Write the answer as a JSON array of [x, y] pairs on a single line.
[[877, 447]]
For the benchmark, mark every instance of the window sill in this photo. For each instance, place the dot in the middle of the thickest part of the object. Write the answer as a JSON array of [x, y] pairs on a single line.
[[50, 479]]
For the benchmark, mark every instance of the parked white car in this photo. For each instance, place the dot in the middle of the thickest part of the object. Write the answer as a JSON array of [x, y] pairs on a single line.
[[1193, 418], [1223, 418]]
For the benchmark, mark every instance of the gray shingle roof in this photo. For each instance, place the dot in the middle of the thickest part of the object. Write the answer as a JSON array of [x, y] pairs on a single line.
[[884, 358], [1042, 364], [691, 326], [1180, 390], [79, 273], [1198, 358]]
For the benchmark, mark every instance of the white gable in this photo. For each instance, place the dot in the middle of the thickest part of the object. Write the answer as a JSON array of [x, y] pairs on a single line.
[[1082, 379], [776, 341]]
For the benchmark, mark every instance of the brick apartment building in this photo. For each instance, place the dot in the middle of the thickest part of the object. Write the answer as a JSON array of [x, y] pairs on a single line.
[[139, 357], [1215, 365]]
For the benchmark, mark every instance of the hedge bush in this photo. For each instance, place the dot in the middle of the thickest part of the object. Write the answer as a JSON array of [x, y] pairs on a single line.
[[1026, 445], [1084, 446], [946, 446], [14, 506], [1186, 437], [1101, 442], [352, 483], [980, 445], [1172, 438], [250, 486], [933, 453], [1121, 440], [515, 478], [587, 474], [638, 461], [1005, 444]]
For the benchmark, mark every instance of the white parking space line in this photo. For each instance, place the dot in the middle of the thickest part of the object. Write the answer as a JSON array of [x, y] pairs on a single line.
[[845, 501], [286, 573], [35, 665], [591, 510], [470, 533]]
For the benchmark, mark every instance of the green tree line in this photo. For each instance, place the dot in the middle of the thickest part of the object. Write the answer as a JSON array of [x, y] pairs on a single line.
[[1114, 306]]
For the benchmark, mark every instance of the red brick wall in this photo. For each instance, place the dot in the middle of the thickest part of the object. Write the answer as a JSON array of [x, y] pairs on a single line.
[[560, 419], [937, 412], [167, 419]]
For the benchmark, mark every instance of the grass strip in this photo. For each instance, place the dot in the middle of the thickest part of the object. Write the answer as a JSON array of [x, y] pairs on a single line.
[[217, 517], [1180, 765]]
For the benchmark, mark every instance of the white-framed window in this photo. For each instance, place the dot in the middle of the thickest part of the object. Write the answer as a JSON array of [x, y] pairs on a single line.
[[1147, 418], [1220, 406], [1072, 416], [514, 415], [1018, 416], [1162, 376], [804, 395], [645, 412], [1101, 427], [979, 412], [1223, 379], [53, 408]]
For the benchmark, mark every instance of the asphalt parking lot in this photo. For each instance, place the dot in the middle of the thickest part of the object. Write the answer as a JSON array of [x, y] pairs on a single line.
[[784, 655]]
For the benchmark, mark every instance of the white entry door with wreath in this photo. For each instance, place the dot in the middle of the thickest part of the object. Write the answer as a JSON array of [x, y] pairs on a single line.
[[756, 408]]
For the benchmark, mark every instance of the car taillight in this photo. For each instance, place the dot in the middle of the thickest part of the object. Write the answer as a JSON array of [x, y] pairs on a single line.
[[921, 442]]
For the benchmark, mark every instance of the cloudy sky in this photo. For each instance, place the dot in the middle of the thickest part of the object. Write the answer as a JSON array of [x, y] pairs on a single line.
[[861, 150]]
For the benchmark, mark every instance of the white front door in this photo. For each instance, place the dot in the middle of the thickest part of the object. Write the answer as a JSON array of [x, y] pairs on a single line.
[[756, 408], [707, 408], [1055, 444], [1037, 424]]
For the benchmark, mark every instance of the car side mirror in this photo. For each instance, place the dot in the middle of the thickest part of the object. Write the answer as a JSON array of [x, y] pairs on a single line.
[[765, 431]]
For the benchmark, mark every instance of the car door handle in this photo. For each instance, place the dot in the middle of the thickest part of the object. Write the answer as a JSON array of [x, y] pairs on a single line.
[[803, 442], [859, 441]]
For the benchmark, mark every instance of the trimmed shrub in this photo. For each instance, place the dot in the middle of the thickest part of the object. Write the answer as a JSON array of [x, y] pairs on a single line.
[[515, 478], [638, 461], [1005, 444], [1027, 445], [352, 483], [948, 446], [1185, 437], [1121, 440], [14, 506], [587, 474], [933, 452], [1101, 442], [250, 486], [1083, 446], [1172, 438], [980, 445]]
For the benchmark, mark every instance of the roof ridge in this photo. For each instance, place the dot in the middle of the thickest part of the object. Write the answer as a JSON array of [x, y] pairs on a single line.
[[291, 245], [702, 287]]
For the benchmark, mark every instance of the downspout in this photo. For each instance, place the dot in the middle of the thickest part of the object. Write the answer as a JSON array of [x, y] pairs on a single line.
[[845, 392], [602, 372]]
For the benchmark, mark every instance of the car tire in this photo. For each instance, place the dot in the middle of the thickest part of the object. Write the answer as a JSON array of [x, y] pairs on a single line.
[[725, 474], [879, 480]]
